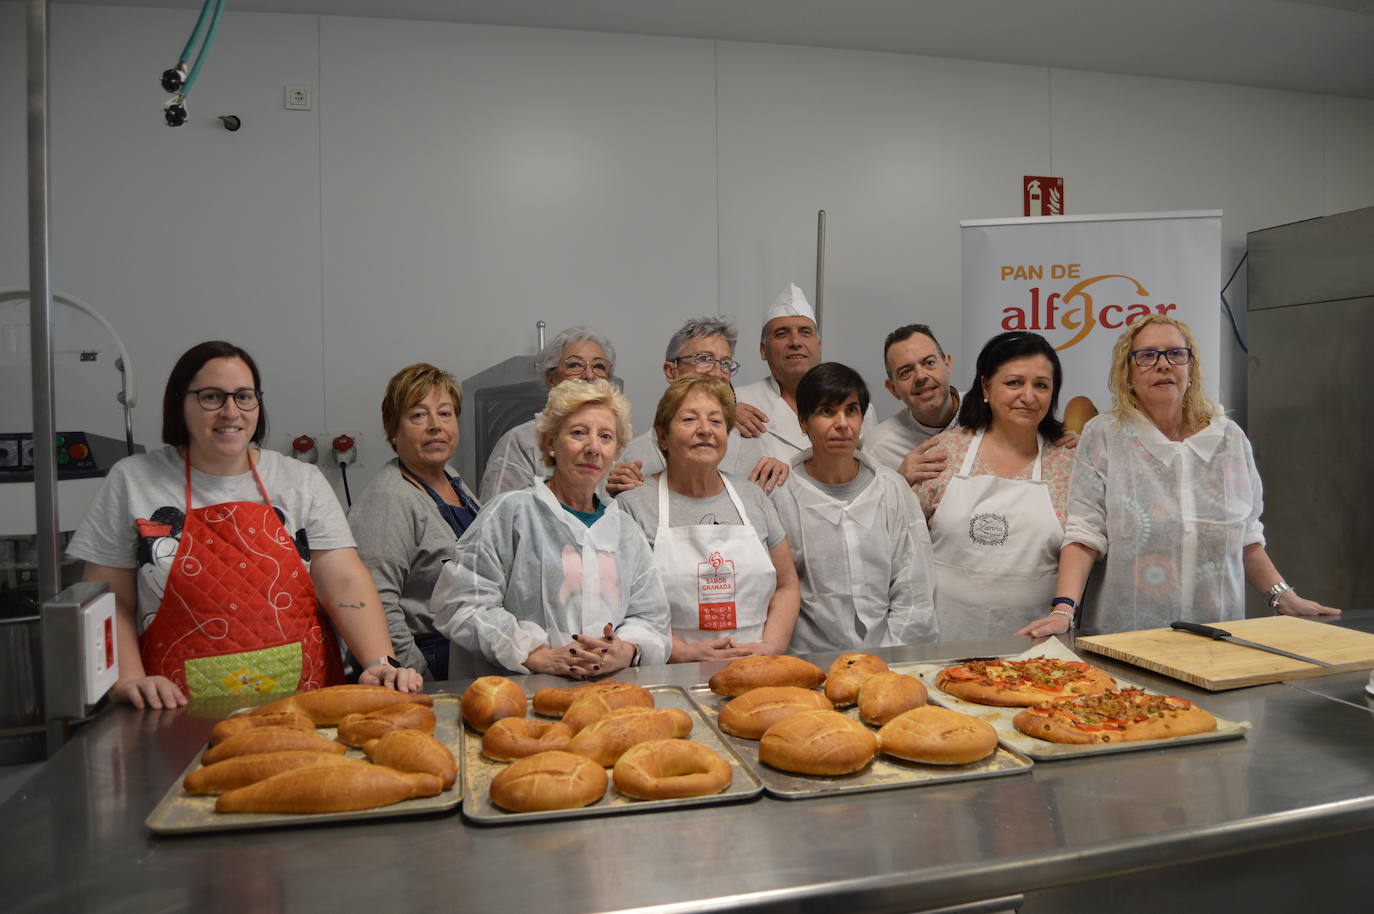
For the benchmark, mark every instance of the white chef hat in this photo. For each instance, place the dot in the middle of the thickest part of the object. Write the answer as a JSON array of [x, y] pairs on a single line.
[[791, 302]]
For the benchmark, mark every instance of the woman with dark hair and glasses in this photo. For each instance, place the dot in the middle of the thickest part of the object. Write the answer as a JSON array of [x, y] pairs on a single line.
[[856, 532], [221, 556], [997, 510], [1165, 487]]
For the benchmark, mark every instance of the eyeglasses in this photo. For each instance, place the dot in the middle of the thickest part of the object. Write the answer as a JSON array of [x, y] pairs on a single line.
[[212, 398], [1148, 358], [703, 362], [600, 367]]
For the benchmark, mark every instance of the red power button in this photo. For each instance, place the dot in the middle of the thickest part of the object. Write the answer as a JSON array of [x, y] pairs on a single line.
[[78, 451]]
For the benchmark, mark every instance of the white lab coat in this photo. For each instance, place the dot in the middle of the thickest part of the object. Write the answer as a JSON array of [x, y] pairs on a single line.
[[784, 438], [1171, 517], [865, 567], [528, 574]]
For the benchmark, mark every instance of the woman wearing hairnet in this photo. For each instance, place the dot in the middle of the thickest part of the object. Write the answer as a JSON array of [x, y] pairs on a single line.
[[720, 549], [551, 578], [1164, 486], [857, 535]]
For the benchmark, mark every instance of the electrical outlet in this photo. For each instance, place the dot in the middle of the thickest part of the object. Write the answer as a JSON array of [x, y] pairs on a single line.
[[298, 98]]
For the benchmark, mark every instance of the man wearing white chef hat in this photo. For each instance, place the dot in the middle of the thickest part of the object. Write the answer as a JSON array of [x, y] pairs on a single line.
[[791, 345]]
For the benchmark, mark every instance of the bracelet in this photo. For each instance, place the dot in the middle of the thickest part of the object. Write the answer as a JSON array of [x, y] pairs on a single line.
[[634, 661], [1276, 592], [1066, 614], [384, 661]]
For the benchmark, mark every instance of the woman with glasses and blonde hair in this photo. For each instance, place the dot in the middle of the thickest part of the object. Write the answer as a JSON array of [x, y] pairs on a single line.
[[1165, 490], [514, 462], [414, 510], [232, 567]]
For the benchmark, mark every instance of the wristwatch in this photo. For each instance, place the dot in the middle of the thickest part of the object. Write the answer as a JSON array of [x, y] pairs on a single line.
[[388, 660], [1276, 592], [1066, 613]]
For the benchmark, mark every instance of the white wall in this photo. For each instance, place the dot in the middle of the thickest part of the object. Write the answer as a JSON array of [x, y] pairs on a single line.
[[454, 184]]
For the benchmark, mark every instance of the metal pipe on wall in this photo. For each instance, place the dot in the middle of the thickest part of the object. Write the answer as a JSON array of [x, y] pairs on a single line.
[[820, 266], [40, 306]]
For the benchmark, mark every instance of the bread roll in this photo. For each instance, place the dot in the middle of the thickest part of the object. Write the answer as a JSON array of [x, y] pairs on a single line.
[[598, 704], [549, 780], [327, 706], [739, 676], [240, 722], [847, 673], [553, 702], [270, 739], [605, 740], [818, 742], [937, 736], [489, 699], [356, 729], [411, 750], [1077, 412], [338, 788], [885, 695], [663, 769], [758, 709], [517, 737], [242, 770]]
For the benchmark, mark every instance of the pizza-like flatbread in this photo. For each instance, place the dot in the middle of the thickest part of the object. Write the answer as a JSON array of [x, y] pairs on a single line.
[[1021, 683], [1120, 715]]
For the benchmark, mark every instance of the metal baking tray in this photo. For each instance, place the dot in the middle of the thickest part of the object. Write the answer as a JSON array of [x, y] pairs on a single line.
[[883, 773], [1045, 751], [181, 813], [478, 770]]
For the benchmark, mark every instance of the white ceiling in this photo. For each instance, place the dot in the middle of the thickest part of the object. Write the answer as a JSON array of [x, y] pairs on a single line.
[[1324, 46]]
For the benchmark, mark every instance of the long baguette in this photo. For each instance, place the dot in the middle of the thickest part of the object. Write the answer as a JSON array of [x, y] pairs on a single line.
[[356, 729], [327, 706], [337, 788], [270, 739], [242, 770], [240, 722]]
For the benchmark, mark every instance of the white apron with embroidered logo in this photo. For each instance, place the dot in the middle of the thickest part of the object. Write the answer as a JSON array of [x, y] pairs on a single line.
[[719, 577], [996, 544]]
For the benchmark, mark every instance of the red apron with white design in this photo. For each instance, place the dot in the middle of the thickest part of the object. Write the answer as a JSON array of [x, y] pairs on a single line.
[[239, 613]]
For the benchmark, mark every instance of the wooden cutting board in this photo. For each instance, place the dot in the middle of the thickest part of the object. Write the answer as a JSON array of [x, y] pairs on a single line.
[[1219, 665]]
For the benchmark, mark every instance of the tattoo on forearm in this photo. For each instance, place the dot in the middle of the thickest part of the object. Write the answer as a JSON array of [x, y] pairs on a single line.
[[361, 604]]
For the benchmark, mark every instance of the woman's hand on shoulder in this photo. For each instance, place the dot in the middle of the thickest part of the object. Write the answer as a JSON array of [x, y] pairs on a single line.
[[156, 692], [1069, 439], [402, 679], [1290, 604], [769, 473]]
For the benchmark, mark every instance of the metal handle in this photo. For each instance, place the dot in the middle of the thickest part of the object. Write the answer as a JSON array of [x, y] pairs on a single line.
[[820, 267], [1207, 631]]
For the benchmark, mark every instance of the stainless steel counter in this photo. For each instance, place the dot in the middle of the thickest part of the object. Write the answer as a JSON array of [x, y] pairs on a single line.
[[74, 836]]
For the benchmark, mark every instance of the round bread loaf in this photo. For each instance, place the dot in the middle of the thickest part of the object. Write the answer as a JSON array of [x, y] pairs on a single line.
[[598, 704], [849, 672], [549, 780], [554, 702], [489, 699], [758, 709], [663, 769], [739, 676], [818, 742], [517, 737], [937, 736], [885, 695], [605, 740]]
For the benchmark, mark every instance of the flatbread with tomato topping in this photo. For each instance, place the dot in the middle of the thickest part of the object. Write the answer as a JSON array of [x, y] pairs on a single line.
[[1021, 683], [1116, 716]]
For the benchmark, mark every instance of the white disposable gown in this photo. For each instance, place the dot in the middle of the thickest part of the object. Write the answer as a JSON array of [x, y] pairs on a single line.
[[528, 574], [1171, 517], [513, 463], [865, 567]]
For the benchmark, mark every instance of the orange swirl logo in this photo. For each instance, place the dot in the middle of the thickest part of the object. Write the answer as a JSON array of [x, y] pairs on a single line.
[[1076, 310]]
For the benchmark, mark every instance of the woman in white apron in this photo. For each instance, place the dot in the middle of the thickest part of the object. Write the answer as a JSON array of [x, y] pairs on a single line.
[[1166, 489], [996, 513], [718, 545], [856, 531]]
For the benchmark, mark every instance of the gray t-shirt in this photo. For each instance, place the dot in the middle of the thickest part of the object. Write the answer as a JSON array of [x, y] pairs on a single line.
[[845, 491], [684, 511], [136, 518]]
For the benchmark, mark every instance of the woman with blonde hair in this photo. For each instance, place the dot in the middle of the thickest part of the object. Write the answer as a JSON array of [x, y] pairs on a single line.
[[1165, 490], [550, 578], [414, 510]]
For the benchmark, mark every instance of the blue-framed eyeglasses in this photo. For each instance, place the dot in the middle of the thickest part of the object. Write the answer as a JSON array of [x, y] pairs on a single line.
[[1148, 358]]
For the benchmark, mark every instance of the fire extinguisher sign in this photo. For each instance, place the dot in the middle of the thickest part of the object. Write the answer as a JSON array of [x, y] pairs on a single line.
[[1043, 196]]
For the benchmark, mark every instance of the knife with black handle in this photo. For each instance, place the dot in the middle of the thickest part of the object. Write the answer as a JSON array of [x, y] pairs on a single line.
[[1218, 634]]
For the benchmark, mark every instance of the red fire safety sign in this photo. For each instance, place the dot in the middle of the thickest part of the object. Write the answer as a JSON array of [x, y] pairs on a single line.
[[1043, 196]]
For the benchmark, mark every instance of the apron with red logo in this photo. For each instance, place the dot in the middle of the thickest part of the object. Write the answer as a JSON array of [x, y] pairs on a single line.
[[239, 613]]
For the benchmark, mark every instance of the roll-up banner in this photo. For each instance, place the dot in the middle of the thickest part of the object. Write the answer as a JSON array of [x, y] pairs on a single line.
[[1080, 280]]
